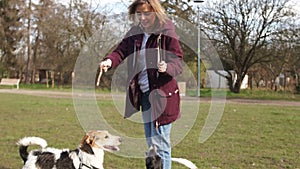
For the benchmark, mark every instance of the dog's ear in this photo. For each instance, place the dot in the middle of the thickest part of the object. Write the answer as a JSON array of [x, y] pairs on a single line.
[[152, 151], [89, 139], [86, 143], [149, 162]]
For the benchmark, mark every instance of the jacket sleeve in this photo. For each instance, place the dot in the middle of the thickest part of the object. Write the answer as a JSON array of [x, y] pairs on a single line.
[[119, 53], [124, 48], [173, 54]]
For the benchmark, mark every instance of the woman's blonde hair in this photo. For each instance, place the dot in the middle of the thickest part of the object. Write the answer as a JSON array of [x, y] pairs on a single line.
[[156, 6]]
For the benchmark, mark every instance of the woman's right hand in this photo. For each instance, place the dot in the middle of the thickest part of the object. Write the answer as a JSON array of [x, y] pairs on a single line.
[[105, 65]]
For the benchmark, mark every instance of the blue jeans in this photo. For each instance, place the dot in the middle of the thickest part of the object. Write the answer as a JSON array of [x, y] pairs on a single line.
[[159, 137]]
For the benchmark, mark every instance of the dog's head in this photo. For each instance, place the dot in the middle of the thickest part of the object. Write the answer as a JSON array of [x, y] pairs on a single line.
[[101, 140], [153, 161]]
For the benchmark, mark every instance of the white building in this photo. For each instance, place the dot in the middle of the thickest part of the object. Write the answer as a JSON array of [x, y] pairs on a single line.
[[216, 81]]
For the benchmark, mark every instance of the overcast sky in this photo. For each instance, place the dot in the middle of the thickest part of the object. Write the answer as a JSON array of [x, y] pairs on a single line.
[[120, 6]]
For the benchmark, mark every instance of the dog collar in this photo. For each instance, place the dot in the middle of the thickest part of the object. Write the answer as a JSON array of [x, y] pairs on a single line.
[[86, 166], [83, 166]]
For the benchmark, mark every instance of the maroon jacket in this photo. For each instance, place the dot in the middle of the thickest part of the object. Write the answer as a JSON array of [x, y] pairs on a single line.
[[164, 96]]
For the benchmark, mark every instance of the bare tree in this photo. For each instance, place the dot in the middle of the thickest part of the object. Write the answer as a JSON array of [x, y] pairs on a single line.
[[241, 29], [28, 14], [180, 8], [10, 33]]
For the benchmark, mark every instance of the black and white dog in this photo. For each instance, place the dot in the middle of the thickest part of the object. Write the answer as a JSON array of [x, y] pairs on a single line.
[[89, 154], [153, 160]]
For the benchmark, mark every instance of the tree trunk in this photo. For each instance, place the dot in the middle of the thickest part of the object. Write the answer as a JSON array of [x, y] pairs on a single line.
[[235, 83], [35, 51], [237, 86], [28, 43]]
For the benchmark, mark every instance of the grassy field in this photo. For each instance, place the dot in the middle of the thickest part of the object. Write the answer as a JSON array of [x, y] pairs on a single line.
[[248, 136]]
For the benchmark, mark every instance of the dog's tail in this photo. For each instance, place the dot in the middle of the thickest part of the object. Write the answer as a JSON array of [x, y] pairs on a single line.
[[185, 162], [27, 141]]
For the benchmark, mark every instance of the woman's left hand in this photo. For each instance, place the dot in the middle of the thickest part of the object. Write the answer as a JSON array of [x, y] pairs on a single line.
[[162, 66]]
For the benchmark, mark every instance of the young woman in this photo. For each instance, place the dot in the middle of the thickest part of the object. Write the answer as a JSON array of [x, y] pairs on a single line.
[[154, 58]]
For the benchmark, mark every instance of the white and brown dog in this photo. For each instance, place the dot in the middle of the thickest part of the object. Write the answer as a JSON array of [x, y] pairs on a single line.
[[89, 154]]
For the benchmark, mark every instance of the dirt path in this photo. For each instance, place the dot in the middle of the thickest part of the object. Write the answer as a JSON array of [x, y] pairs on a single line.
[[264, 102], [61, 94]]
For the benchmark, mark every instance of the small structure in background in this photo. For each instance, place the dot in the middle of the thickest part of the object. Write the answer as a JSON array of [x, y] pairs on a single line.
[[217, 81], [182, 88], [45, 76]]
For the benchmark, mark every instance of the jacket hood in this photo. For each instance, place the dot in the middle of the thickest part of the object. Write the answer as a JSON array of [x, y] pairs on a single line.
[[168, 25]]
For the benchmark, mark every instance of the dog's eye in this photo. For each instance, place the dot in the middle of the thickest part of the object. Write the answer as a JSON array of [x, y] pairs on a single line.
[[106, 137]]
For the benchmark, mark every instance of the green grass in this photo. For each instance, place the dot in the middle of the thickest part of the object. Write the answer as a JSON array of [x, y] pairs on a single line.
[[248, 136], [261, 94]]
